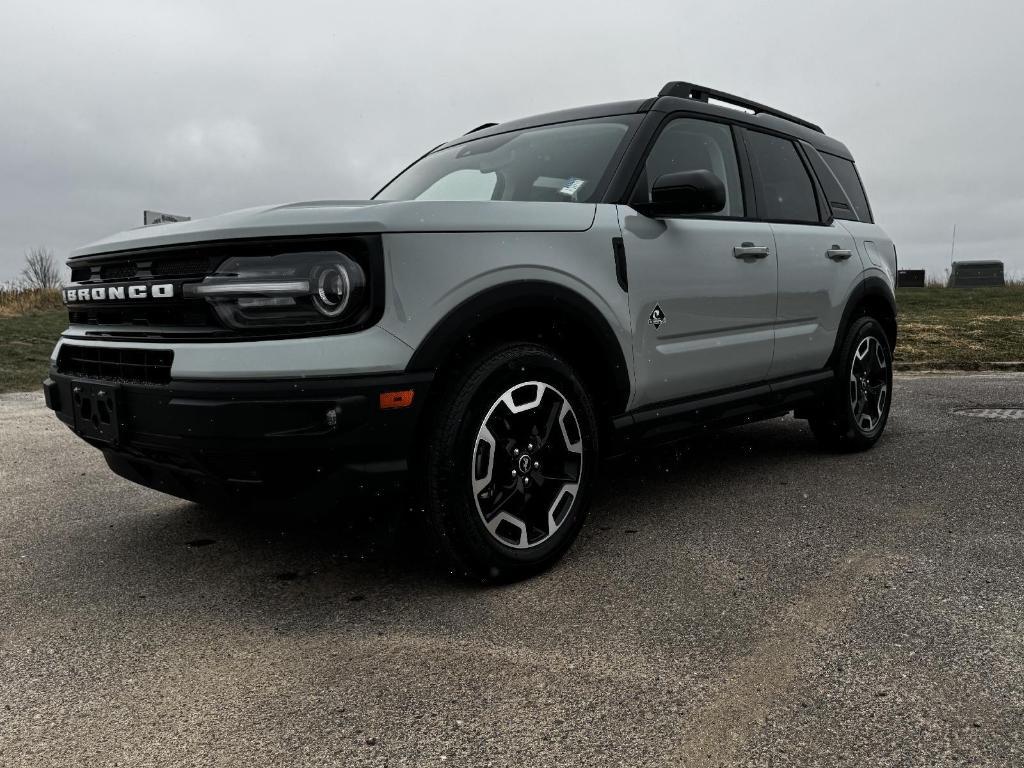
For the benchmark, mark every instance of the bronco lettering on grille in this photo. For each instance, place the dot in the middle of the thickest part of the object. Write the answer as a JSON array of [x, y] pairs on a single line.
[[119, 292]]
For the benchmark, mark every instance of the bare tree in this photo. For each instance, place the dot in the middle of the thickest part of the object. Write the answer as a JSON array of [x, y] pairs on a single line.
[[41, 270]]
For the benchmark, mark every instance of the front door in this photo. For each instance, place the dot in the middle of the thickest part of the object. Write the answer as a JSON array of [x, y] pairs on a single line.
[[702, 290]]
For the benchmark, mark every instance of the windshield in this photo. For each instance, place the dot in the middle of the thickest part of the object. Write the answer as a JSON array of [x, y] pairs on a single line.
[[567, 162]]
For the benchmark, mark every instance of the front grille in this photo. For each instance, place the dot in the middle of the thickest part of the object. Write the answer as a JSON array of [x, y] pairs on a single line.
[[125, 271], [183, 315], [143, 268], [132, 318], [199, 266], [134, 366], [191, 314]]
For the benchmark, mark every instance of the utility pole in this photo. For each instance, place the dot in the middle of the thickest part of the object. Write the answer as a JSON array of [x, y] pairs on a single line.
[[952, 247]]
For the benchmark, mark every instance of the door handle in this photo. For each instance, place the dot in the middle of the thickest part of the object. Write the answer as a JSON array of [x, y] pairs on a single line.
[[750, 251], [838, 254]]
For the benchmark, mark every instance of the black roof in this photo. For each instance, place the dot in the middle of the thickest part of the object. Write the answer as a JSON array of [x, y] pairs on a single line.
[[679, 97], [550, 118]]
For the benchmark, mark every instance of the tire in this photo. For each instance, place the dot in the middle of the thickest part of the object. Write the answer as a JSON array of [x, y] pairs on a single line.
[[509, 462], [856, 409]]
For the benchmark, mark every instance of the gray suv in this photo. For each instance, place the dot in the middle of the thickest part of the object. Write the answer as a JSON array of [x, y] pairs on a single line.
[[514, 306]]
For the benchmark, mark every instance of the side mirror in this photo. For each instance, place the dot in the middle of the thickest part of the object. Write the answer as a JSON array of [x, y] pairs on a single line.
[[693, 192]]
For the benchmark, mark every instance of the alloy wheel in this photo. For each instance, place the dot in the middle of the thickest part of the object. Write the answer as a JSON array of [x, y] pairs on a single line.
[[869, 383], [527, 464]]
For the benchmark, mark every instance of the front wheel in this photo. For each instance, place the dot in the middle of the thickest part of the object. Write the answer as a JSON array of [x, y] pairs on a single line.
[[509, 462], [855, 412]]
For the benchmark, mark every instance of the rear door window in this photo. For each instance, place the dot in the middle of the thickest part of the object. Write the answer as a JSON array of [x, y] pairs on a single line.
[[785, 191]]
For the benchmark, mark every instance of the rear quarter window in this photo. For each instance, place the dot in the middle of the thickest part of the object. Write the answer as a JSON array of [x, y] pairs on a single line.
[[846, 173], [838, 201]]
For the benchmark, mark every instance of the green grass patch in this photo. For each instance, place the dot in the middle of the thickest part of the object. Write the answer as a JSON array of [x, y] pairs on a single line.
[[25, 345], [960, 327]]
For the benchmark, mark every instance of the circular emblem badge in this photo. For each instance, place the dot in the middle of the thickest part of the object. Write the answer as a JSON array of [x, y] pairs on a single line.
[[525, 463]]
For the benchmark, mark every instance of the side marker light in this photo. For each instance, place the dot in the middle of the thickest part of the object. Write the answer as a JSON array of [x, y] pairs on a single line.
[[392, 400]]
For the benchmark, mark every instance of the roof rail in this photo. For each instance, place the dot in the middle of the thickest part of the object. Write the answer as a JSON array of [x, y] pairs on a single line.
[[701, 93], [479, 128]]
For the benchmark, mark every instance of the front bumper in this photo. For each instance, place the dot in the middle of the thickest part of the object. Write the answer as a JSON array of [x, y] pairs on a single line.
[[285, 437]]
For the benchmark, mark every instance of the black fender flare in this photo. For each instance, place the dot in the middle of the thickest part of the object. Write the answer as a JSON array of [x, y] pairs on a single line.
[[556, 300], [871, 287]]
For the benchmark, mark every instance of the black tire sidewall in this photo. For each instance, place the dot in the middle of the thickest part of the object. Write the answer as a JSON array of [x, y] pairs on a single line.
[[835, 426], [451, 452], [864, 328]]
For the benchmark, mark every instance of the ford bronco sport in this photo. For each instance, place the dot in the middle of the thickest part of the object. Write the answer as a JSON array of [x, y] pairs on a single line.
[[514, 305]]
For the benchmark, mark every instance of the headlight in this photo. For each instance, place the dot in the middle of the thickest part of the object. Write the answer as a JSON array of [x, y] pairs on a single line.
[[333, 289], [315, 288]]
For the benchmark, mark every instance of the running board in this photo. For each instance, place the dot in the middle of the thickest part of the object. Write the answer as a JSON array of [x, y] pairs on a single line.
[[674, 419]]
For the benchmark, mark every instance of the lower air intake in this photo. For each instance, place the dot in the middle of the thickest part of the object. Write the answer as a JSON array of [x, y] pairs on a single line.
[[133, 366]]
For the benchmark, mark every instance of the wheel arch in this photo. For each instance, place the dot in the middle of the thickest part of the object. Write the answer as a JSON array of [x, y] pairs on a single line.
[[873, 297], [539, 311]]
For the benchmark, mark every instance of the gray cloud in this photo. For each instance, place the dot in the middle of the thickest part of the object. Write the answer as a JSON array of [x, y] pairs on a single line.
[[198, 108]]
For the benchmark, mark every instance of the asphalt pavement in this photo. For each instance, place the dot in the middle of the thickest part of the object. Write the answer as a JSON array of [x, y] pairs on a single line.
[[743, 600]]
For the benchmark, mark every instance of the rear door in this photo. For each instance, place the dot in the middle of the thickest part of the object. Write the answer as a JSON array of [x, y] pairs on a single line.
[[819, 265], [849, 202], [702, 288]]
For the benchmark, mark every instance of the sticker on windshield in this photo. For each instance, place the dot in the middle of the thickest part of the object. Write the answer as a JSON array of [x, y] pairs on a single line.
[[572, 186]]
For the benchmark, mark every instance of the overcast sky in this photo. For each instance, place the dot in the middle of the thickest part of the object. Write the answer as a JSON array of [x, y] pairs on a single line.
[[107, 108]]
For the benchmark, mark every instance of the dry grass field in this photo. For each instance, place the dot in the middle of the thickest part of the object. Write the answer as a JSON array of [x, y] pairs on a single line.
[[15, 302], [961, 328]]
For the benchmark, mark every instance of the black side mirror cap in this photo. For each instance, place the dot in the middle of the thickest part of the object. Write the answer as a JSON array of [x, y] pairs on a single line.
[[685, 192]]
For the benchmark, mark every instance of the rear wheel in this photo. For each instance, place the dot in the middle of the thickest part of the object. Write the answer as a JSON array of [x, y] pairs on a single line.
[[857, 409], [509, 462]]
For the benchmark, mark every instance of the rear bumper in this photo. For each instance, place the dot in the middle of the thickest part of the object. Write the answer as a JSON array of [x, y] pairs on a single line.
[[282, 437]]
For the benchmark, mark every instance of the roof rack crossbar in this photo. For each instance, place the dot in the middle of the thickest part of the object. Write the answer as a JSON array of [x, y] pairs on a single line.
[[702, 93]]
